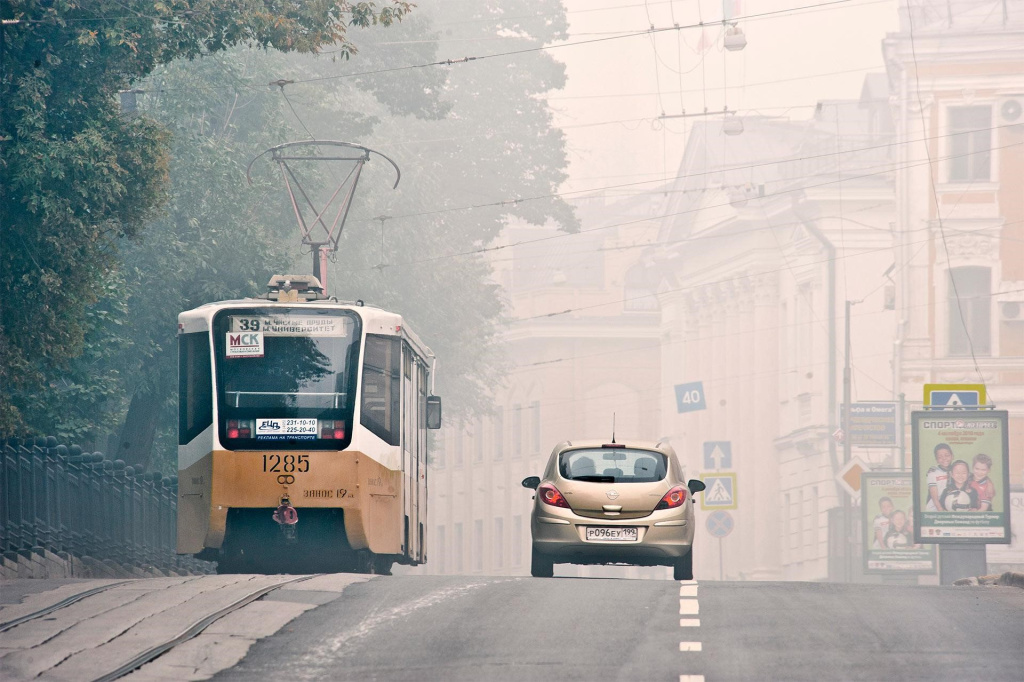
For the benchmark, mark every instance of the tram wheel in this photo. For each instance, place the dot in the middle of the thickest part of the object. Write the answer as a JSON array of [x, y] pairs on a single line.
[[382, 564]]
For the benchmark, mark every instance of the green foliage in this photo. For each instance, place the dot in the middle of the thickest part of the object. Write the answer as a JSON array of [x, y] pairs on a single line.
[[463, 135], [76, 176]]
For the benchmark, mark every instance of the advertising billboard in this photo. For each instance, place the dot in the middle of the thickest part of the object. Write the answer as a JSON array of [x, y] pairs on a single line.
[[961, 481], [887, 501], [872, 425]]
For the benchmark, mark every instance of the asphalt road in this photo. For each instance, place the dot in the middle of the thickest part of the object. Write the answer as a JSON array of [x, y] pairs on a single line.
[[464, 628]]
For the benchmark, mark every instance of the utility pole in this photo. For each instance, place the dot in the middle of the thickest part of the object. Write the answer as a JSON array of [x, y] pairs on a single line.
[[847, 506]]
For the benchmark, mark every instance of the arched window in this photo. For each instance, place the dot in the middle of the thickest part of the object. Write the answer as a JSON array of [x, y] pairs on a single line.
[[969, 297]]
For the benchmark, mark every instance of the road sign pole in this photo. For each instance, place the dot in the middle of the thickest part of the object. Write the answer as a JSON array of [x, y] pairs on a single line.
[[847, 507], [903, 431], [720, 574]]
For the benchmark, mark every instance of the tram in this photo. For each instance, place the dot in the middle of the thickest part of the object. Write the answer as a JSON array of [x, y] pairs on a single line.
[[302, 434]]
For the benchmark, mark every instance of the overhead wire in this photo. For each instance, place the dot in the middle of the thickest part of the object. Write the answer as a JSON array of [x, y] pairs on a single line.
[[517, 200], [564, 235]]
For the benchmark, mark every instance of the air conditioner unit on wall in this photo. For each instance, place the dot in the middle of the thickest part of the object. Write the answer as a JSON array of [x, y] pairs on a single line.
[[1010, 109]]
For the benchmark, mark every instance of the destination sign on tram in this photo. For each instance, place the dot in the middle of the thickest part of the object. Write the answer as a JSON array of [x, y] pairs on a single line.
[[292, 325]]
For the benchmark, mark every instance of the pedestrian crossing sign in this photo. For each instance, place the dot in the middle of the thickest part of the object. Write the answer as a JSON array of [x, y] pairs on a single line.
[[720, 492], [954, 396]]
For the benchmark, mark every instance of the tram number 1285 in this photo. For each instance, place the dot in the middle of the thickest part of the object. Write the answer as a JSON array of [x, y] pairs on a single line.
[[285, 463]]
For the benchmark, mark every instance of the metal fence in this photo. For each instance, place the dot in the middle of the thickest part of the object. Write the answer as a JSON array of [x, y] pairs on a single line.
[[81, 504]]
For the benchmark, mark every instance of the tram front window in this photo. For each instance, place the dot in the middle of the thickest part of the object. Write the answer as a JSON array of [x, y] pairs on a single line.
[[286, 379]]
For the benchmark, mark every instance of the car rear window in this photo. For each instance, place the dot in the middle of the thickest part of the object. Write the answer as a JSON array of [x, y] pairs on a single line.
[[613, 465]]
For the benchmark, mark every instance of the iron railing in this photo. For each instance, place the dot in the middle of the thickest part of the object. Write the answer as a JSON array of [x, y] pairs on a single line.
[[80, 504]]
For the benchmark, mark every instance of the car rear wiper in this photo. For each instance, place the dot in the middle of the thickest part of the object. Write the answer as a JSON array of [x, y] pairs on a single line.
[[595, 479]]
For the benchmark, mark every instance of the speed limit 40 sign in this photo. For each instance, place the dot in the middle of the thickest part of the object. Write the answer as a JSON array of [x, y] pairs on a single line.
[[690, 397]]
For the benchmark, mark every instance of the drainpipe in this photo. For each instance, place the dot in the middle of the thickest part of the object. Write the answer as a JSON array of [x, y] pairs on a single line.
[[830, 253]]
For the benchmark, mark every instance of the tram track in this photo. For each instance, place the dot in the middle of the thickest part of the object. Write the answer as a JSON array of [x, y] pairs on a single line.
[[195, 629], [15, 622]]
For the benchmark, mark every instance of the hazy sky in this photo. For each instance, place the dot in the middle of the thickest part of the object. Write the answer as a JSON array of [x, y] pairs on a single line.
[[610, 106]]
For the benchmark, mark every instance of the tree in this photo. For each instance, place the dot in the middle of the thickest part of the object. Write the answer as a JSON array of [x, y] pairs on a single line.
[[218, 238], [76, 176], [486, 140]]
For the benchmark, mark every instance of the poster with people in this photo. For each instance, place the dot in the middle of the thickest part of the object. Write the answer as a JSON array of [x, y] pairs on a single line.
[[887, 501], [961, 486]]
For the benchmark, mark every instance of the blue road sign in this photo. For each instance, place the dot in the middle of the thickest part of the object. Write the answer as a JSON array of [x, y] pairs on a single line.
[[717, 454], [955, 399], [690, 397], [720, 523], [720, 492]]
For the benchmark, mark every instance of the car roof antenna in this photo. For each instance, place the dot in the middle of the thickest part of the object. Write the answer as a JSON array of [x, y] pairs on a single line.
[[613, 427]]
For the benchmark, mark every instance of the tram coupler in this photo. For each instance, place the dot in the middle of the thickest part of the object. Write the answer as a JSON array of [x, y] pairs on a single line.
[[287, 518]]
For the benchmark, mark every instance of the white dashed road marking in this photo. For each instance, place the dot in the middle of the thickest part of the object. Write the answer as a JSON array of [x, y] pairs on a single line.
[[688, 607]]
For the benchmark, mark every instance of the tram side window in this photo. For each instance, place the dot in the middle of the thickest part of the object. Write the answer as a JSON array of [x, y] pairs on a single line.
[[195, 386], [382, 388]]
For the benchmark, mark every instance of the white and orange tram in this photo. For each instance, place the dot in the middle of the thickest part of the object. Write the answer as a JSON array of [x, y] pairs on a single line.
[[302, 433]]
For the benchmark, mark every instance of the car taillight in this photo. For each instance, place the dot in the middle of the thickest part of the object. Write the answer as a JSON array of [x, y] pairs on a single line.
[[673, 498], [233, 428], [549, 495]]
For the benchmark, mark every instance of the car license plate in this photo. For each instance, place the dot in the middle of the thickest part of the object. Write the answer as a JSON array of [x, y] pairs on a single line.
[[615, 534]]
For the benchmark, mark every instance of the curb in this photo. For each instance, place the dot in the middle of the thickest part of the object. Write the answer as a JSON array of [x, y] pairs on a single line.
[[1008, 579]]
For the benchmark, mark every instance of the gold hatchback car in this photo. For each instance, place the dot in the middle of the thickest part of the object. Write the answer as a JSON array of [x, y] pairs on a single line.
[[613, 503]]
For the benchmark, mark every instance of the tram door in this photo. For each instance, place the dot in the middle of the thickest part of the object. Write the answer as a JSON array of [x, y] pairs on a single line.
[[421, 455], [410, 458]]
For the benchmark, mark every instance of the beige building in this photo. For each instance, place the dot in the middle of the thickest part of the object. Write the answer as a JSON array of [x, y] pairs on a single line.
[[761, 247], [583, 348], [956, 72], [737, 275]]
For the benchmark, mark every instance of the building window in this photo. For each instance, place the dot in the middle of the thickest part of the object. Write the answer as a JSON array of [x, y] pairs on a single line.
[[457, 547], [459, 436], [517, 540], [970, 311], [811, 529], [437, 453], [499, 434], [794, 521], [478, 441], [786, 523], [535, 426], [478, 545], [439, 551], [499, 542], [517, 430], [970, 143]]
